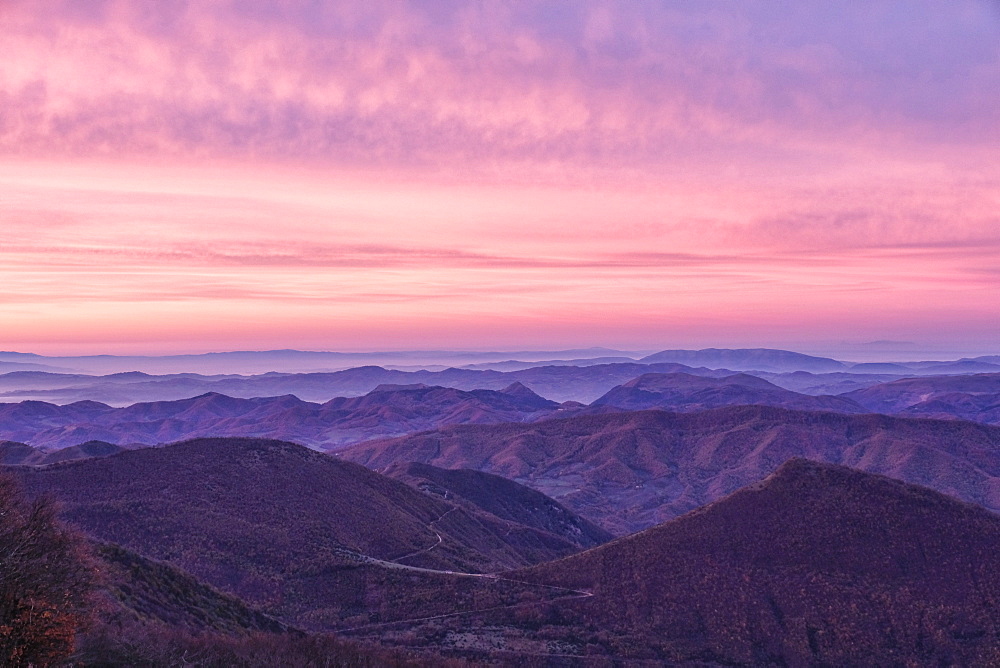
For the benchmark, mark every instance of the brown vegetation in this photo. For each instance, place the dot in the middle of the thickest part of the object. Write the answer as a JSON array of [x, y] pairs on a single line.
[[818, 565], [45, 581], [279, 526], [630, 471]]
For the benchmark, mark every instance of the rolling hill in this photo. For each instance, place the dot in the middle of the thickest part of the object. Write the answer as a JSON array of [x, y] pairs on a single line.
[[968, 397], [287, 529], [556, 381], [747, 359], [13, 453], [683, 392], [816, 565], [630, 471], [516, 504], [387, 410]]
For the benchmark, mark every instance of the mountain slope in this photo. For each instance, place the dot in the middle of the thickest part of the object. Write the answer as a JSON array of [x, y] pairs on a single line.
[[817, 565], [14, 453], [747, 359], [629, 471], [505, 499], [686, 393], [271, 522], [141, 589], [971, 397], [402, 409]]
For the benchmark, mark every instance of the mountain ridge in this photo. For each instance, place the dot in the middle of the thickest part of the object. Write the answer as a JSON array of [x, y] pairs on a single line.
[[285, 528], [815, 565], [627, 471]]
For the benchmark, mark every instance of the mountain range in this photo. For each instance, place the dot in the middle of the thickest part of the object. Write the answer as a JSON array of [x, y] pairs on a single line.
[[684, 392], [304, 361], [395, 410], [582, 379], [289, 361], [472, 517], [277, 524], [557, 382], [970, 397], [387, 410], [629, 471], [816, 564]]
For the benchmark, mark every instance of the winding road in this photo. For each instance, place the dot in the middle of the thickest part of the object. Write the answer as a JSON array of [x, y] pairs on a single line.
[[394, 564], [439, 539]]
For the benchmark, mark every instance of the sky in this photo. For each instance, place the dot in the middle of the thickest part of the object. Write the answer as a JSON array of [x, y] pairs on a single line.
[[249, 174]]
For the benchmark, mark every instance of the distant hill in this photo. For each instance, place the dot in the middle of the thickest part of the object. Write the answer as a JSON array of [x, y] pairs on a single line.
[[13, 453], [963, 366], [558, 382], [835, 383], [279, 525], [85, 450], [294, 361], [748, 359], [968, 397], [684, 392], [408, 408], [388, 410], [817, 565], [630, 471]]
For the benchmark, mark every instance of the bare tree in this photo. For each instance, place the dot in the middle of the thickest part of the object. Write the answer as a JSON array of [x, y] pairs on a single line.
[[45, 580]]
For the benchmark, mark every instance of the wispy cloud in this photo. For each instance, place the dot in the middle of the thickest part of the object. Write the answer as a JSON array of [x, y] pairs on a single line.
[[430, 84], [241, 171]]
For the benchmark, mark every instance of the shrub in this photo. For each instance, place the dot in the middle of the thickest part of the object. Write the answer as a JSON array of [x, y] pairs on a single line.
[[45, 581]]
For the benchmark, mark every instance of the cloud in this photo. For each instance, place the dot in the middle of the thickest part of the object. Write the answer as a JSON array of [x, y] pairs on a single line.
[[454, 85], [456, 167]]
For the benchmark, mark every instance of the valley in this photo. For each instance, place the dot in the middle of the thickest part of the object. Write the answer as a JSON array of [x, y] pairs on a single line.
[[679, 517]]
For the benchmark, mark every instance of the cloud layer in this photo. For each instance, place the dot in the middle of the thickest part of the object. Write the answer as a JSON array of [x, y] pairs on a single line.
[[498, 173], [431, 84]]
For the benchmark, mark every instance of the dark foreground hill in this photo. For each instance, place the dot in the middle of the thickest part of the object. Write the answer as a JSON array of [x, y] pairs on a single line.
[[149, 613], [67, 602], [630, 471], [818, 565], [141, 590], [281, 526]]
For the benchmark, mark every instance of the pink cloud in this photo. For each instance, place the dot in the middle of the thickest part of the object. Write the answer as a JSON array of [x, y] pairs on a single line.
[[511, 172], [397, 84]]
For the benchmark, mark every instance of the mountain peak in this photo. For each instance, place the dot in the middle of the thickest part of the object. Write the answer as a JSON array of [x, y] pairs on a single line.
[[518, 389], [849, 552]]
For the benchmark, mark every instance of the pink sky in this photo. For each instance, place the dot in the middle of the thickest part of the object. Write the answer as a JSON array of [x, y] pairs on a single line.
[[372, 175]]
